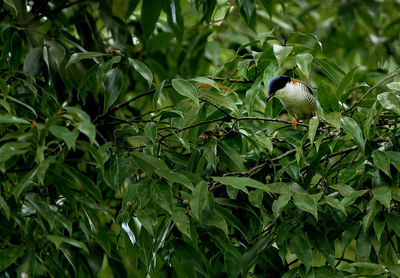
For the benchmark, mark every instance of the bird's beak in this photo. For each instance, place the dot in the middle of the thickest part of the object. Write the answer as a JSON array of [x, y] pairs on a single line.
[[270, 96]]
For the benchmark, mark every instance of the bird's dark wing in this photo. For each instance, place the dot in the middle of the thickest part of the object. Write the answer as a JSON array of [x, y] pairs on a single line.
[[308, 88]]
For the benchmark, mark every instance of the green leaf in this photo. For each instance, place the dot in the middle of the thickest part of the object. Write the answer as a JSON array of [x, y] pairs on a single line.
[[4, 206], [368, 265], [22, 104], [65, 134], [331, 70], [300, 246], [369, 123], [106, 67], [333, 118], [161, 193], [157, 94], [381, 161], [182, 221], [354, 132], [383, 194], [379, 226], [232, 220], [57, 240], [243, 67], [344, 189], [312, 128], [148, 219], [241, 183], [249, 258], [189, 255], [111, 170], [55, 53], [303, 61], [96, 153], [248, 11], [3, 87], [169, 114], [320, 241], [207, 81], [394, 159], [174, 17], [149, 14], [10, 119], [234, 161], [335, 203], [346, 16], [11, 4], [10, 255], [280, 203], [349, 235], [265, 142], [210, 152], [211, 217], [393, 222], [88, 129], [142, 69], [394, 85], [307, 203], [24, 182], [198, 199], [281, 52], [372, 209], [112, 87], [345, 83], [389, 101], [33, 61], [221, 100], [175, 177], [82, 181], [186, 89], [327, 98], [76, 57], [363, 246], [349, 200], [123, 9], [10, 149], [79, 113], [252, 94], [150, 129], [148, 163]]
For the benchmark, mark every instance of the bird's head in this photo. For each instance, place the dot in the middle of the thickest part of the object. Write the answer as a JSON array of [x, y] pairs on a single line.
[[276, 84]]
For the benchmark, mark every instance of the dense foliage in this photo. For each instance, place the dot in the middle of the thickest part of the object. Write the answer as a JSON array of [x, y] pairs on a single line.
[[136, 141]]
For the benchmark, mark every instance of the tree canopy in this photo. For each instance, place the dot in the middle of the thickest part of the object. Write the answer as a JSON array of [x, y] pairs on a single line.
[[136, 140]]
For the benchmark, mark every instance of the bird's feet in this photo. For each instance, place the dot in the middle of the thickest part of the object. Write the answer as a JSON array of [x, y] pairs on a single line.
[[294, 124]]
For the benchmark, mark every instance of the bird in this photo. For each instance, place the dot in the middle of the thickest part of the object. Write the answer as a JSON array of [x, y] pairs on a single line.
[[297, 98]]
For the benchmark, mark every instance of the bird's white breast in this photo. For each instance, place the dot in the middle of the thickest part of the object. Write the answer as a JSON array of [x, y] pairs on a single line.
[[294, 96], [292, 93]]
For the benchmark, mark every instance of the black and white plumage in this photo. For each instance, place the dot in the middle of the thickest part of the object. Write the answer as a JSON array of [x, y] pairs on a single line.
[[297, 98]]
